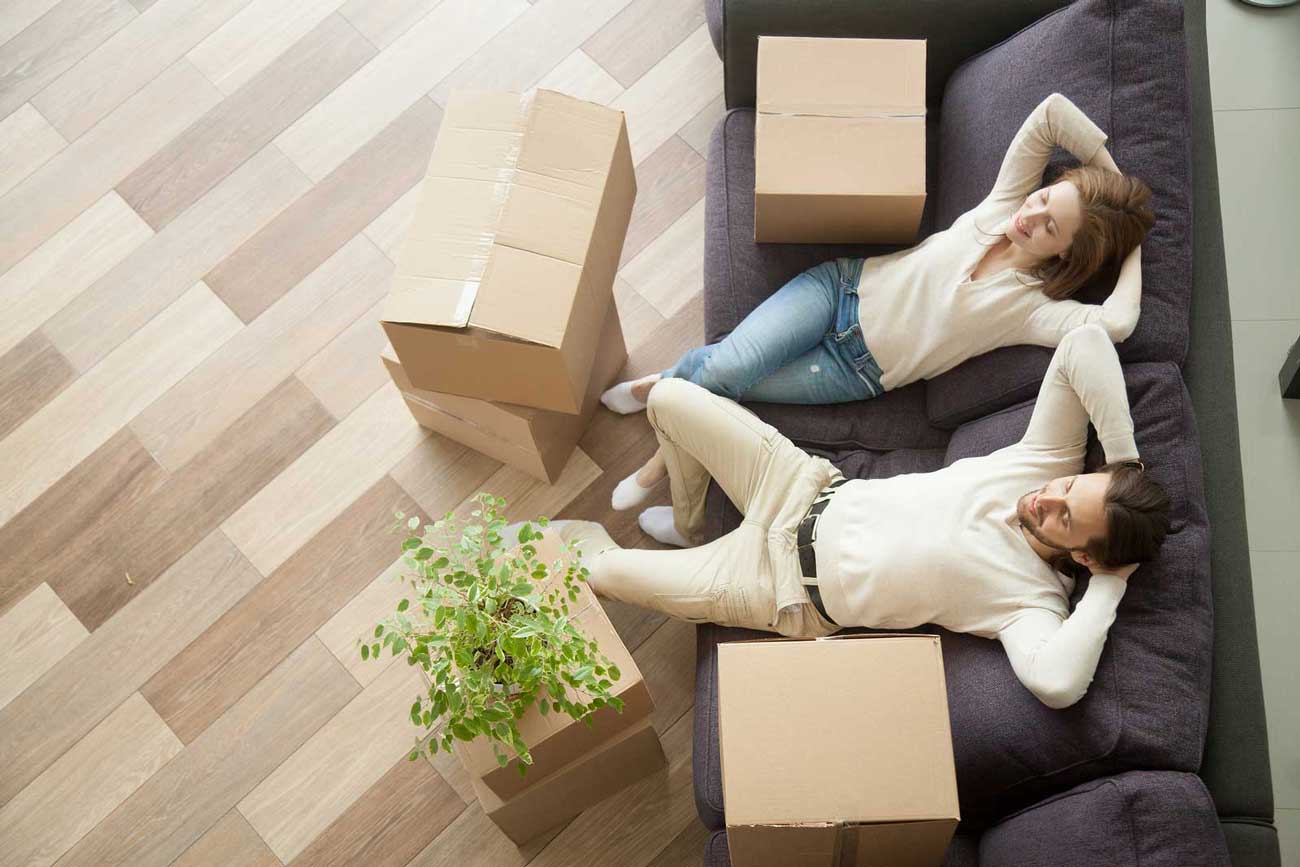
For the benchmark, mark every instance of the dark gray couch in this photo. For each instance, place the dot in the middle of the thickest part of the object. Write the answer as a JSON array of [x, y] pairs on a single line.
[[1165, 761]]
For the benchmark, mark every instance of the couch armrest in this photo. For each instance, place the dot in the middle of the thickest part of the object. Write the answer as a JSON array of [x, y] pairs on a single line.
[[713, 14], [955, 30], [1151, 818]]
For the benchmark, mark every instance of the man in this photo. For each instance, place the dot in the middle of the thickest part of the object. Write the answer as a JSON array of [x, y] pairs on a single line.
[[975, 547]]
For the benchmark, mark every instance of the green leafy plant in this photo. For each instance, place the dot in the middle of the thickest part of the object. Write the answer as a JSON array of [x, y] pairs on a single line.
[[490, 624]]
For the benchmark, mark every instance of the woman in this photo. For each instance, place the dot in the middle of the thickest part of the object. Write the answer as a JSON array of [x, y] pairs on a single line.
[[1001, 275]]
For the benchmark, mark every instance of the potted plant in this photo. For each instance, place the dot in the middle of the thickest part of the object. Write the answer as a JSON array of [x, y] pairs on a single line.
[[489, 623]]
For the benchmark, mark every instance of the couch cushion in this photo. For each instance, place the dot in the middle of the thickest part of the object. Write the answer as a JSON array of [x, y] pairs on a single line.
[[1147, 705], [962, 852], [895, 420], [1123, 63], [1142, 819]]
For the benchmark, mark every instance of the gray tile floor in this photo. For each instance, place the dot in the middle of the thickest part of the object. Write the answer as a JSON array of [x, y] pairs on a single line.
[[1255, 81]]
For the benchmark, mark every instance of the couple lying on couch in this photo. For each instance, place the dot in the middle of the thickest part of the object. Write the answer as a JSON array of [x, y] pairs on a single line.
[[989, 545]]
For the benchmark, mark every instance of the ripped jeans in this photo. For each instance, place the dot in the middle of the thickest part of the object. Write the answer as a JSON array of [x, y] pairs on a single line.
[[802, 345]]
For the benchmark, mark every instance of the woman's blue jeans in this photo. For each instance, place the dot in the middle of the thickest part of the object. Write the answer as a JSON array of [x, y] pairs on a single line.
[[802, 345]]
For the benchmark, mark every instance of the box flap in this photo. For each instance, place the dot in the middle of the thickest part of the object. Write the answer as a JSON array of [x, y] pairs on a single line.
[[835, 77], [846, 729], [464, 192], [505, 219]]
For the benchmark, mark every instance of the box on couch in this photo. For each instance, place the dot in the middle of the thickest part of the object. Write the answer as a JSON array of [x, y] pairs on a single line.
[[537, 441], [836, 751], [840, 140], [505, 278]]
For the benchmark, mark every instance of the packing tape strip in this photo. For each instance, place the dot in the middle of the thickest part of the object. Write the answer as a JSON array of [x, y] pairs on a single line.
[[836, 111], [504, 179]]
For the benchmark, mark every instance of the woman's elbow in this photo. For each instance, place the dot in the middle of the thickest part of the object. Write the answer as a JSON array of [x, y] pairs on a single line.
[[1120, 328], [1059, 700]]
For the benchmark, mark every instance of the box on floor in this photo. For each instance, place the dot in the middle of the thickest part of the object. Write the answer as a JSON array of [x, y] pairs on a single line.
[[839, 152], [537, 441], [836, 751], [574, 765], [506, 276], [556, 739], [586, 781]]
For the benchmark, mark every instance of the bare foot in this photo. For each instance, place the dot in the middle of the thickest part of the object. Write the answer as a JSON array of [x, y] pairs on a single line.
[[641, 388]]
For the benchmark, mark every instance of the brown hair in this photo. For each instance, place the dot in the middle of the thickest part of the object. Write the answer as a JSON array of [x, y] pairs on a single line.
[[1116, 217], [1137, 521]]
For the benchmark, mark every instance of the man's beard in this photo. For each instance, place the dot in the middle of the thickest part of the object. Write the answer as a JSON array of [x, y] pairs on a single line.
[[1029, 521]]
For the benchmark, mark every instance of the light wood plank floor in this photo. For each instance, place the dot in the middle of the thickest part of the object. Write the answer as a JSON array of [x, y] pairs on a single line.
[[200, 453]]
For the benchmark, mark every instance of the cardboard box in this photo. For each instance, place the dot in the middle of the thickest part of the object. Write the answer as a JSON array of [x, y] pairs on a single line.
[[836, 751], [537, 441], [507, 273], [556, 739], [839, 146], [630, 756]]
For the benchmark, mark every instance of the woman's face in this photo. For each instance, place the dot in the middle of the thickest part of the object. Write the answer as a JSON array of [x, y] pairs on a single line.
[[1045, 224]]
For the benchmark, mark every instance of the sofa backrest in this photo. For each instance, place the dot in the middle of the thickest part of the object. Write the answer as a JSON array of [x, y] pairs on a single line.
[[969, 26]]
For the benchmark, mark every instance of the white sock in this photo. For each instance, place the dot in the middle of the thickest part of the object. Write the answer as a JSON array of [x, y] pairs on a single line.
[[657, 522], [629, 493], [620, 399]]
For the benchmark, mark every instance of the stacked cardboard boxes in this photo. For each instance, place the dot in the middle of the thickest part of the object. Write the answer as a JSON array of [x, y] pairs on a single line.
[[839, 146], [574, 765], [836, 751], [501, 312]]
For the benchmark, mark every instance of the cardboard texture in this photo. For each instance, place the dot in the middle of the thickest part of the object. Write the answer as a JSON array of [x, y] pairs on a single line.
[[629, 756], [536, 441], [836, 751], [556, 739], [839, 152], [505, 278]]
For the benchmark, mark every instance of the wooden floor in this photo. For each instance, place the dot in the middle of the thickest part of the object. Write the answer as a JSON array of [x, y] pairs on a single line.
[[200, 453]]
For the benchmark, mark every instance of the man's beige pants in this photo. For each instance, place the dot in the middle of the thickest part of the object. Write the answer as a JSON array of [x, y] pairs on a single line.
[[751, 576]]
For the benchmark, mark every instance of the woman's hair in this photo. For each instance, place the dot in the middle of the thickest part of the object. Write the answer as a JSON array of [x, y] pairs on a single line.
[[1137, 520], [1116, 217]]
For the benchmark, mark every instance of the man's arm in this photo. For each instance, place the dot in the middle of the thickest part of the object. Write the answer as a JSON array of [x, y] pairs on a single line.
[[1055, 659], [1084, 382]]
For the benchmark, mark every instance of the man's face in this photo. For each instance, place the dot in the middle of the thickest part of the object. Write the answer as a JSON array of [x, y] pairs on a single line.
[[1068, 512]]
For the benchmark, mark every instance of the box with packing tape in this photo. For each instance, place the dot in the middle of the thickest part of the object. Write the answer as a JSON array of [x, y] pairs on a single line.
[[537, 441], [839, 140], [506, 276], [836, 752]]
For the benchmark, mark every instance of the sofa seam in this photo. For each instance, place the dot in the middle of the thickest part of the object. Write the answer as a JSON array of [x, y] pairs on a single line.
[[726, 214]]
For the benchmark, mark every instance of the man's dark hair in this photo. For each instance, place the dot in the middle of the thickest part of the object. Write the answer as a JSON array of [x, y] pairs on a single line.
[[1137, 518]]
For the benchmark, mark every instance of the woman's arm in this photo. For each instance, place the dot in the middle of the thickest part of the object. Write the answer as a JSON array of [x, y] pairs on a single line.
[[1055, 122], [1056, 659], [1103, 159], [1048, 324]]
